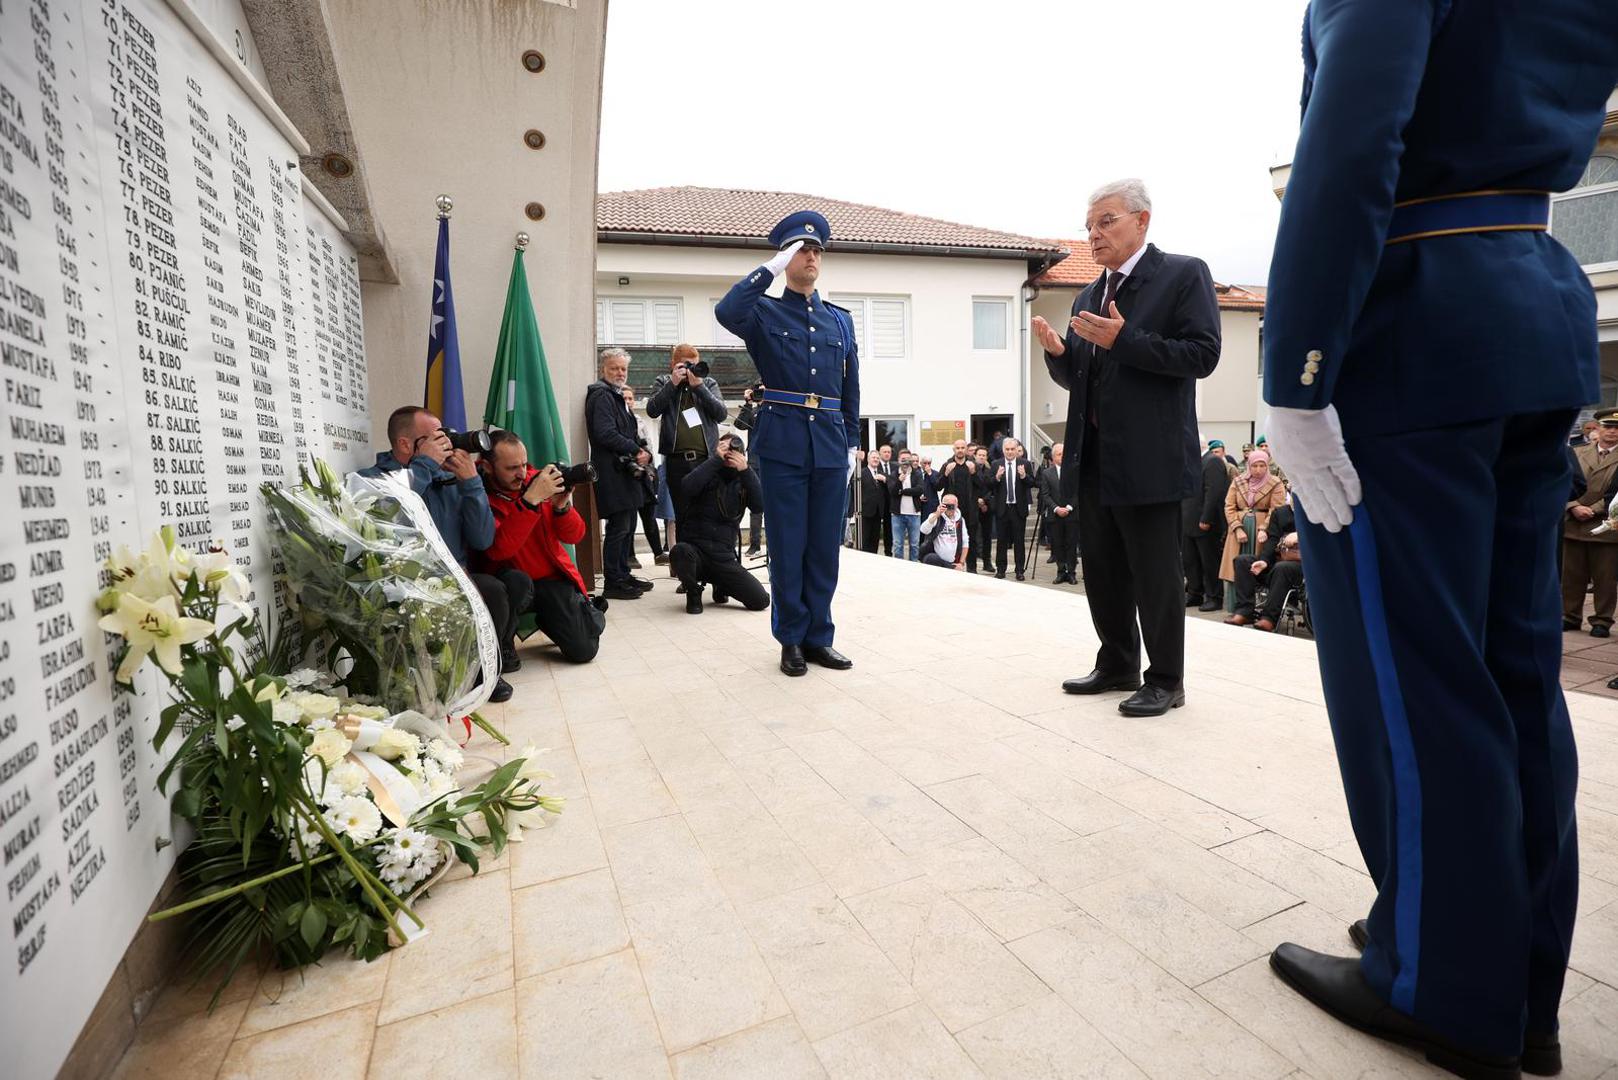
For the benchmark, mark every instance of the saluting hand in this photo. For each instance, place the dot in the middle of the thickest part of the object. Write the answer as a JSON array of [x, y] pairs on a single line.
[[1099, 330]]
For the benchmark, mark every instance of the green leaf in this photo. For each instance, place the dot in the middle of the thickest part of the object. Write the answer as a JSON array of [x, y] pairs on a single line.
[[312, 926]]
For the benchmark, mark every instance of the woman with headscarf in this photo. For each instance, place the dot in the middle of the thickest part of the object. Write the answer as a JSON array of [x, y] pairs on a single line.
[[1252, 497]]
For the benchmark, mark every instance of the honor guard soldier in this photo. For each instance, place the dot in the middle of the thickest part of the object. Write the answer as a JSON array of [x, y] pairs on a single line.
[[1427, 347], [806, 432]]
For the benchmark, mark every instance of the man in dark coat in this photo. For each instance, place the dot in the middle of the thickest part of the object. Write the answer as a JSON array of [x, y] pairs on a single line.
[[1013, 491], [1062, 525], [616, 451], [873, 479], [957, 477], [1141, 336], [1202, 524]]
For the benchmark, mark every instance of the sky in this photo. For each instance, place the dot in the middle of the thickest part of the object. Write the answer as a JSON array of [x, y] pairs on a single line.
[[1004, 115]]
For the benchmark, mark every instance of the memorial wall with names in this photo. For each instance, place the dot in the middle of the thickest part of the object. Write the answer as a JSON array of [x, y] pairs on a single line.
[[179, 322]]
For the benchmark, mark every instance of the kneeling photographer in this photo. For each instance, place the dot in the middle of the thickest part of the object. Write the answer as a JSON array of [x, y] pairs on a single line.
[[716, 494], [443, 472], [534, 517]]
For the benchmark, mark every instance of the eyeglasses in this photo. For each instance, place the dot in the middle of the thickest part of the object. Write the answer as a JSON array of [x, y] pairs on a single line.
[[1107, 222]]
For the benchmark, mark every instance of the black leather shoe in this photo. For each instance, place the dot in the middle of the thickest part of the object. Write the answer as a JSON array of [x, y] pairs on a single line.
[[509, 660], [501, 691], [1335, 984], [1152, 701], [826, 656], [1001, 574], [792, 660], [1568, 626], [1541, 1054], [1019, 575], [1210, 605], [1193, 601], [1099, 683], [622, 592], [1600, 630], [693, 602]]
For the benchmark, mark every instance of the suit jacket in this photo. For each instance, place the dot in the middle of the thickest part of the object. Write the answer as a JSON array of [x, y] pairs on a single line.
[[1027, 484], [1050, 488], [873, 492], [1145, 386], [1600, 484], [613, 435], [1411, 99], [1207, 503]]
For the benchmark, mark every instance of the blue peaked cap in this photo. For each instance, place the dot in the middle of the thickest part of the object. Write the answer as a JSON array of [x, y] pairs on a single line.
[[805, 225]]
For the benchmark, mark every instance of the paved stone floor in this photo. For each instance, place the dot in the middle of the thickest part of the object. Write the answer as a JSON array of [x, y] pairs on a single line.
[[935, 865]]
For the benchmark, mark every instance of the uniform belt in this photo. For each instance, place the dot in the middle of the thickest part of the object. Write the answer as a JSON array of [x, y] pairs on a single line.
[[1470, 212], [803, 401]]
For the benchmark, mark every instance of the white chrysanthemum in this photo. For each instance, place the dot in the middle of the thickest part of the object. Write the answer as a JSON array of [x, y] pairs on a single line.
[[287, 713], [349, 777], [439, 786], [394, 744], [302, 679], [315, 706], [329, 746], [357, 818], [445, 753], [312, 841]]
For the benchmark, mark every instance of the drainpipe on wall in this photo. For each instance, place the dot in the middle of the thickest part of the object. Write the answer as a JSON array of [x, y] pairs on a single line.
[[1025, 297]]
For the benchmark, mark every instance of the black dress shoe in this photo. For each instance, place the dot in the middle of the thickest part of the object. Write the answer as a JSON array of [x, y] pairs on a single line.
[[693, 602], [1152, 701], [1210, 605], [826, 656], [1600, 630], [1001, 574], [509, 660], [792, 660], [501, 691], [1098, 682], [1019, 575], [1335, 984], [1541, 1054], [1193, 601], [1568, 626]]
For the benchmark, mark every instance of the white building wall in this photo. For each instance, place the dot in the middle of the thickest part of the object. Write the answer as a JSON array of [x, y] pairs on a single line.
[[941, 377]]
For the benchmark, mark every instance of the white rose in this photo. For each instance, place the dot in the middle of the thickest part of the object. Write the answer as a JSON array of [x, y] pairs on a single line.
[[394, 744], [315, 706], [365, 712], [329, 746], [357, 818]]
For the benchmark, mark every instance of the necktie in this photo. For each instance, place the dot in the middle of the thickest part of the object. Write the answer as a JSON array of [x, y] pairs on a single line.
[[1011, 484]]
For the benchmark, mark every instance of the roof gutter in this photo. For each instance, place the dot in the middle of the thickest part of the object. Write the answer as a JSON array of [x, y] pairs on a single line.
[[856, 247]]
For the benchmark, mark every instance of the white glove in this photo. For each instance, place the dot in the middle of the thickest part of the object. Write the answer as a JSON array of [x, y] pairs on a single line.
[[778, 261], [1323, 480]]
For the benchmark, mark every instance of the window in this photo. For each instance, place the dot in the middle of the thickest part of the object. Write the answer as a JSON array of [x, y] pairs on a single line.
[[989, 319], [633, 321], [881, 325], [1585, 219], [718, 335]]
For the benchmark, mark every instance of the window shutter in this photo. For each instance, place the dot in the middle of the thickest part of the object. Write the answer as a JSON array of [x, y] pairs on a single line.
[[888, 329], [988, 324], [628, 318], [666, 318]]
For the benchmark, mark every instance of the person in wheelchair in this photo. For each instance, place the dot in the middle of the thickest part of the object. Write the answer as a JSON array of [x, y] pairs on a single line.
[[717, 493], [1276, 565]]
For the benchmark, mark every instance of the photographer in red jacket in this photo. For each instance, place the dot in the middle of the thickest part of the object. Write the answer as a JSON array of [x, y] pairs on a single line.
[[533, 518]]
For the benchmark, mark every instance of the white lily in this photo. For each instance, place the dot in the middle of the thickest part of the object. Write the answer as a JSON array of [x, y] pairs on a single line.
[[155, 627], [217, 572]]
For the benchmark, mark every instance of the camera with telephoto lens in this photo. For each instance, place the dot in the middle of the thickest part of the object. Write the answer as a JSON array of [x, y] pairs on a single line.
[[572, 475], [699, 368], [473, 442]]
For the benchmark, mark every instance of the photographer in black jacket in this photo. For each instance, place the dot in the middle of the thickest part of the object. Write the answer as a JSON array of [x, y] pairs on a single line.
[[1202, 531], [716, 494]]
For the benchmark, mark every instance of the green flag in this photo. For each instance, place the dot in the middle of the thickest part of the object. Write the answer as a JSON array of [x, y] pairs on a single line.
[[520, 395]]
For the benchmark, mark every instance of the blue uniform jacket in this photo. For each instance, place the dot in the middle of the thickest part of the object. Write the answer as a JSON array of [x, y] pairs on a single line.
[[803, 344], [1406, 99], [460, 508]]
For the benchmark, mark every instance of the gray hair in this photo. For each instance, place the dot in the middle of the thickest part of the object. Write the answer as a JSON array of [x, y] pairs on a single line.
[[614, 354], [1132, 191]]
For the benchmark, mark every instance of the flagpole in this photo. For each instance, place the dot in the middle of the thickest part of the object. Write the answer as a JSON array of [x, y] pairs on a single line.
[[522, 241]]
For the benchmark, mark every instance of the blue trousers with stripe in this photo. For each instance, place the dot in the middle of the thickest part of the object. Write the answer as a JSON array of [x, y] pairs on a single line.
[[1438, 618], [803, 521]]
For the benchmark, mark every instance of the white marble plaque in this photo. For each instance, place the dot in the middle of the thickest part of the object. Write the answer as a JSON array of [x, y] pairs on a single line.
[[178, 323]]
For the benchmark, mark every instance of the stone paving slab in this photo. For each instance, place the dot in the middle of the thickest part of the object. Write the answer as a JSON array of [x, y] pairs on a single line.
[[933, 865]]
